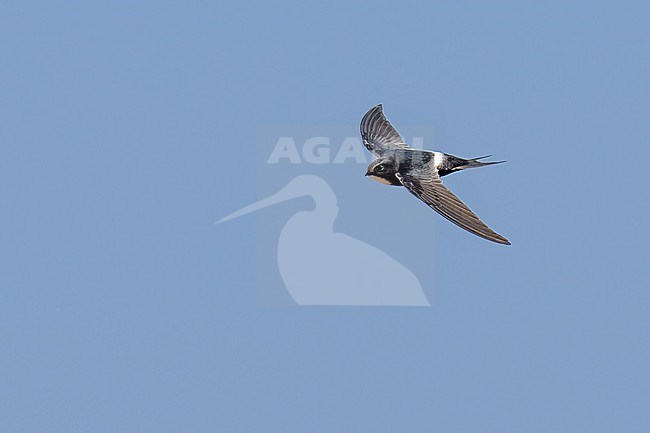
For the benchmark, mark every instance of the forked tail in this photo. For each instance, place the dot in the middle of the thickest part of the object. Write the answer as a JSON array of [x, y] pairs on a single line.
[[474, 162]]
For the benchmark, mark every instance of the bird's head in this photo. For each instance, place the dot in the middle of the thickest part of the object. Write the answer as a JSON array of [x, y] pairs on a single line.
[[383, 170], [381, 167]]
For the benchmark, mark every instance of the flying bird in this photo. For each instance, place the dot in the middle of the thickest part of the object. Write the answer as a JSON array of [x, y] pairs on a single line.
[[420, 172]]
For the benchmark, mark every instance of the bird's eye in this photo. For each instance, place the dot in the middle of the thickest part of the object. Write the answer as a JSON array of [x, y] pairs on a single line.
[[380, 167]]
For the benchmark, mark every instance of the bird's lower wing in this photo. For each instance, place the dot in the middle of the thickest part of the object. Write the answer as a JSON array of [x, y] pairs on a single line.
[[426, 185]]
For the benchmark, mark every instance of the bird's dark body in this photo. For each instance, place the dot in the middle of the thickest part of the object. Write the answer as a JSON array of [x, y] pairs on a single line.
[[409, 160]]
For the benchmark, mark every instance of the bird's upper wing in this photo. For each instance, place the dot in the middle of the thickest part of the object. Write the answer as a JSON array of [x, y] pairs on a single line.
[[378, 134], [424, 182]]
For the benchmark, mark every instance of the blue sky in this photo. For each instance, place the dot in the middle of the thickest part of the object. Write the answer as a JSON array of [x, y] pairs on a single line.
[[127, 130]]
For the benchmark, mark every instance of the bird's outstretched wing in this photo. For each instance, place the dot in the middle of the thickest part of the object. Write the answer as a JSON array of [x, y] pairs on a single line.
[[378, 134], [424, 182]]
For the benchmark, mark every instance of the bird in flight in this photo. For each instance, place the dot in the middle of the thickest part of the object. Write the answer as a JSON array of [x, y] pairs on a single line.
[[420, 172]]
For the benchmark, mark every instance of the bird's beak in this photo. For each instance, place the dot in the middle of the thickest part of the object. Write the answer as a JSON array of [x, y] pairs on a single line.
[[367, 173]]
